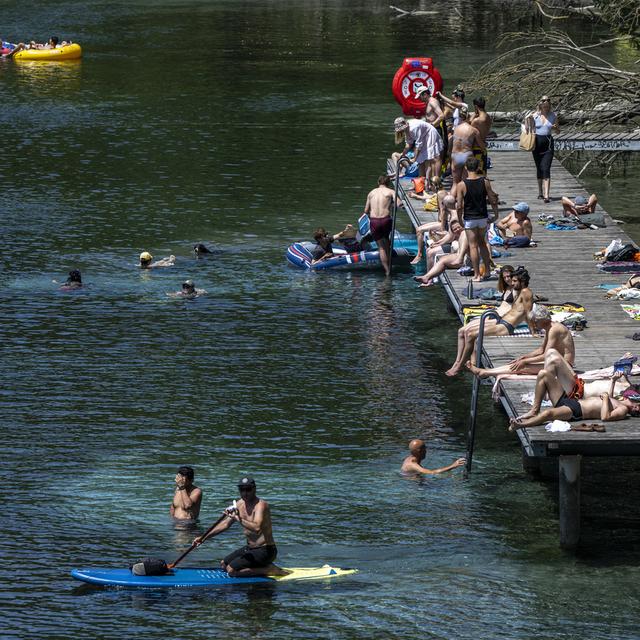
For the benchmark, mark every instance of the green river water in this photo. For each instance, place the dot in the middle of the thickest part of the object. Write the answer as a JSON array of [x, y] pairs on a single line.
[[245, 125]]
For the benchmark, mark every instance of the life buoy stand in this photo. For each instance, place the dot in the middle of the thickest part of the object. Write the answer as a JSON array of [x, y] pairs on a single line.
[[414, 73]]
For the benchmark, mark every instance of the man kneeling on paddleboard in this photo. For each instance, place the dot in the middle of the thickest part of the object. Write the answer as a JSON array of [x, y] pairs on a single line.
[[257, 556]]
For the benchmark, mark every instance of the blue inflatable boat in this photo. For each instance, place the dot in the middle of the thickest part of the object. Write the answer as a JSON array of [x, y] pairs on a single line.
[[405, 248]]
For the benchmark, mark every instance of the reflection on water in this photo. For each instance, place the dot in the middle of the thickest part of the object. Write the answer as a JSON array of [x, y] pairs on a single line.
[[272, 121]]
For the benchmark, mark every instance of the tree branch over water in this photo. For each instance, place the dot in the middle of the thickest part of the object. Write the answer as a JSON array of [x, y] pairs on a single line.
[[577, 79]]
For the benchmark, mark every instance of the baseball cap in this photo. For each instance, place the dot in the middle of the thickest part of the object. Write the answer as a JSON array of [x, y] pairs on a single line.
[[580, 201], [247, 481], [521, 207]]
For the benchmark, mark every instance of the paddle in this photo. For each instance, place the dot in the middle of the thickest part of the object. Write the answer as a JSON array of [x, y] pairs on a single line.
[[194, 545]]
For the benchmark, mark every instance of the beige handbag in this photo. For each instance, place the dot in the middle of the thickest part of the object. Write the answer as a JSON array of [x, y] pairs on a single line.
[[528, 135]]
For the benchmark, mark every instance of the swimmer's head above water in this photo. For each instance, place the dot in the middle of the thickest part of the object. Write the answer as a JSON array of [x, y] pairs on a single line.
[[74, 277], [145, 259], [188, 288], [200, 249]]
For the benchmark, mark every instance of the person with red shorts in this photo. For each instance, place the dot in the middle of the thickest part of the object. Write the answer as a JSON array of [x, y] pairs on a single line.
[[379, 207]]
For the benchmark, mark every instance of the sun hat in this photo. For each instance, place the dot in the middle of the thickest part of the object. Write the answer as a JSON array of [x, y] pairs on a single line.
[[421, 89]]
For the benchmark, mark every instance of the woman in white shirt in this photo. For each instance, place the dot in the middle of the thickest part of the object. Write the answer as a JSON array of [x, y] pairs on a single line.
[[546, 121]]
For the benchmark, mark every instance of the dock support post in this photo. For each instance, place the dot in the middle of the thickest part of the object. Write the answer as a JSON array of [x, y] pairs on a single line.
[[569, 488], [531, 465]]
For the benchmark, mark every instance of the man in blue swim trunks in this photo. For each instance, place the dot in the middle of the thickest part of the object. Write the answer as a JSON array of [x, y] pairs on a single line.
[[518, 314], [254, 515]]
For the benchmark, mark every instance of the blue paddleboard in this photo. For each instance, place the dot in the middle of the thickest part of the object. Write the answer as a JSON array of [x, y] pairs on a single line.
[[188, 577]]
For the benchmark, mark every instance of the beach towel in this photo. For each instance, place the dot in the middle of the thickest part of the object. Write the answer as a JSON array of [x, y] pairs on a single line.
[[632, 310], [432, 203], [618, 267], [561, 225]]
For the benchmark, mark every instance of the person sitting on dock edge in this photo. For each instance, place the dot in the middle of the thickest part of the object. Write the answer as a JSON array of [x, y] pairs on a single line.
[[519, 313], [557, 338], [412, 464], [254, 515]]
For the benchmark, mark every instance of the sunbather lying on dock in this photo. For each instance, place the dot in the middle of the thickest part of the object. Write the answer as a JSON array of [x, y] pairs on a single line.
[[557, 338], [632, 283], [567, 406], [518, 314]]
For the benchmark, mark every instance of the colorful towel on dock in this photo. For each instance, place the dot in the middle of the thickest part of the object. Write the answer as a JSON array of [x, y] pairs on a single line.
[[618, 267], [568, 307], [563, 224], [632, 310], [432, 203]]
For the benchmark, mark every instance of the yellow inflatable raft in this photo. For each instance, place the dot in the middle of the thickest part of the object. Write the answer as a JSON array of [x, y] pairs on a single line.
[[68, 52]]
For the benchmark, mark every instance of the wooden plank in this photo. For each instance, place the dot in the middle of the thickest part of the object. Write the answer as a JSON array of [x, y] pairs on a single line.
[[562, 269]]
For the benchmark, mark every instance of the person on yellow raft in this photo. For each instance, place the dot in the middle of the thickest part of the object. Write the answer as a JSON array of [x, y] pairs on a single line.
[[254, 515]]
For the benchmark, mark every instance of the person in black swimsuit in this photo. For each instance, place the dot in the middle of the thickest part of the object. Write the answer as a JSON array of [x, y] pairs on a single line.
[[605, 407]]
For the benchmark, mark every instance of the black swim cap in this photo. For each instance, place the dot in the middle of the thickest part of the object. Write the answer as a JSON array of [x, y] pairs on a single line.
[[187, 472], [74, 276]]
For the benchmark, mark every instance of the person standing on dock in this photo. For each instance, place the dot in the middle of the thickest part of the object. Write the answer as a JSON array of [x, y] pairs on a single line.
[[471, 197], [423, 139], [546, 121], [481, 121], [412, 464], [519, 313], [379, 207], [466, 140], [435, 115]]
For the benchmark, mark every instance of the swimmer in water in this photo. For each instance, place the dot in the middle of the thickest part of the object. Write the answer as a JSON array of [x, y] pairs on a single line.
[[74, 281], [188, 291], [201, 250], [187, 498], [412, 464], [146, 261]]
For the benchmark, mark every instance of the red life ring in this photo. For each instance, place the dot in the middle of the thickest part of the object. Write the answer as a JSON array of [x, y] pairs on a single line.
[[414, 73]]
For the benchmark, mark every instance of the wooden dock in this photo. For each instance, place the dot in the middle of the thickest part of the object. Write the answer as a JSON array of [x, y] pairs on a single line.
[[562, 269]]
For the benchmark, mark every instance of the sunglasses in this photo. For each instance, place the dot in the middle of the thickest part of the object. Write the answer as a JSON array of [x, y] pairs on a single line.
[[245, 489]]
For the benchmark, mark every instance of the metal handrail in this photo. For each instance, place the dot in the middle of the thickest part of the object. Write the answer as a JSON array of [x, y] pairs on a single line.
[[473, 411], [395, 208]]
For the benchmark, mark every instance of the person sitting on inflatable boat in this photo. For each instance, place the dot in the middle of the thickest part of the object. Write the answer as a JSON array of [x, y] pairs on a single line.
[[348, 238]]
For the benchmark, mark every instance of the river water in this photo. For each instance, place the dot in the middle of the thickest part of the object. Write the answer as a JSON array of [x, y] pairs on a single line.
[[245, 125]]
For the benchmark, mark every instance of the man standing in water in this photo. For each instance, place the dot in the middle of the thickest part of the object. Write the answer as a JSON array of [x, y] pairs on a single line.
[[379, 207], [187, 498], [417, 453], [254, 515]]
